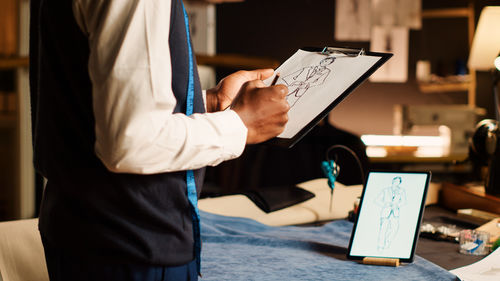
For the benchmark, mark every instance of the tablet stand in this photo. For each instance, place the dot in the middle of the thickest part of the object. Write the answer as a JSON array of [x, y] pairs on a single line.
[[381, 261]]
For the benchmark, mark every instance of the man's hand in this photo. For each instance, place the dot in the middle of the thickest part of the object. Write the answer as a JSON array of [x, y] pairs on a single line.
[[220, 97], [264, 110]]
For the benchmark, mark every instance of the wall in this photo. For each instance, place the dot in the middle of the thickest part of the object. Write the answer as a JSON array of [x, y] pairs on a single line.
[[17, 192], [277, 28], [8, 118]]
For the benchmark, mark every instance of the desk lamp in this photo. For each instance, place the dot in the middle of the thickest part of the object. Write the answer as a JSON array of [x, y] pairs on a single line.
[[485, 56]]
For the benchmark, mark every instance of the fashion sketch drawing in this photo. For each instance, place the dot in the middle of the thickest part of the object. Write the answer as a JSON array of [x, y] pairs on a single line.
[[303, 79], [391, 199]]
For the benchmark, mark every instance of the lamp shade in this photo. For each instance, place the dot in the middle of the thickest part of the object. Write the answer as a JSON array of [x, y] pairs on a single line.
[[486, 43]]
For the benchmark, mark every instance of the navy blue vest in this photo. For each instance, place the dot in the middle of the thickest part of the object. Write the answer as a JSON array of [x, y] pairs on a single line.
[[86, 209]]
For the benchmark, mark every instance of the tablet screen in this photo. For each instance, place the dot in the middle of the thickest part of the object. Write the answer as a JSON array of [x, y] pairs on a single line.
[[389, 215]]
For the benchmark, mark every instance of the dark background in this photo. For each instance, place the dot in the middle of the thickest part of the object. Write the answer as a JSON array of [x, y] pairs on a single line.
[[276, 29]]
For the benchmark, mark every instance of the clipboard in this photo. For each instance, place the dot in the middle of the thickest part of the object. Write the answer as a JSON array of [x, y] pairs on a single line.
[[318, 80]]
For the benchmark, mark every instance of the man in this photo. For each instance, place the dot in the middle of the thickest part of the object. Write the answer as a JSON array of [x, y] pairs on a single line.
[[391, 199], [113, 83]]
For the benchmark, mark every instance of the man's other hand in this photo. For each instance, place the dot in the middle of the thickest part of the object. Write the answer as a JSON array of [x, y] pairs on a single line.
[[220, 97]]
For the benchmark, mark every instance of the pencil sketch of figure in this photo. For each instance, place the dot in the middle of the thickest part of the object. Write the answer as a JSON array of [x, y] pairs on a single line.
[[390, 199], [301, 80]]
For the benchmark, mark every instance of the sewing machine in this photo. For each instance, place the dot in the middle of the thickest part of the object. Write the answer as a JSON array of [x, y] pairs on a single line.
[[460, 119]]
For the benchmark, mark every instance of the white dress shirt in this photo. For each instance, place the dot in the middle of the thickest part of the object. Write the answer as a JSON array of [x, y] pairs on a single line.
[[130, 69]]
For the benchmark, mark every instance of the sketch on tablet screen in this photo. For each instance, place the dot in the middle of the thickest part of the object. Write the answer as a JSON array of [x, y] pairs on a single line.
[[391, 199], [300, 81]]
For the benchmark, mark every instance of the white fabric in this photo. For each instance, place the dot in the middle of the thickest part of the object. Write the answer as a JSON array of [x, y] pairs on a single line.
[[313, 210], [133, 102], [21, 252]]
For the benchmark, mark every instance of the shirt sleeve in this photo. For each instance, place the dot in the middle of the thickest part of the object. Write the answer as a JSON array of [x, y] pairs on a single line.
[[130, 70]]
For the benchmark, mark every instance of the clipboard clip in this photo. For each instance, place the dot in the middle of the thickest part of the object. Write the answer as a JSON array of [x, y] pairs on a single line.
[[350, 52]]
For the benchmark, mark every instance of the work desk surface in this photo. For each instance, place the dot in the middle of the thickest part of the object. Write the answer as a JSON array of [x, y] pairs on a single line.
[[442, 253], [315, 212]]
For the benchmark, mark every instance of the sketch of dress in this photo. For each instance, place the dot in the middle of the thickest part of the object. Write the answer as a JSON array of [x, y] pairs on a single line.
[[301, 80], [391, 199]]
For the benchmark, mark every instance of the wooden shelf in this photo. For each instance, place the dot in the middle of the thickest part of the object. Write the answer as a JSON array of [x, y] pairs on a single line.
[[456, 197], [469, 87], [14, 62], [221, 60], [8, 120], [236, 61], [404, 158], [447, 13], [430, 88]]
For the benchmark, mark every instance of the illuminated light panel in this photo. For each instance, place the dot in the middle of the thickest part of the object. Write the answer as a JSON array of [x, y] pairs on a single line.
[[376, 151], [392, 140]]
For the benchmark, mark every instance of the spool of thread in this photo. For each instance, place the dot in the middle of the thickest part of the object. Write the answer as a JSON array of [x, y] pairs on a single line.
[[495, 245], [474, 242], [423, 70]]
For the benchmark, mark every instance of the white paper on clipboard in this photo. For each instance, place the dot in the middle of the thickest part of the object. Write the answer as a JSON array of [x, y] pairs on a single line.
[[315, 80]]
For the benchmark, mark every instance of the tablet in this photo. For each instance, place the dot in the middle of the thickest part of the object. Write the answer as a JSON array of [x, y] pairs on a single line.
[[318, 79], [389, 216]]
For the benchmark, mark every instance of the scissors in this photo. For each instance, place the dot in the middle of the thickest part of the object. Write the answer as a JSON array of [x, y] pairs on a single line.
[[331, 171]]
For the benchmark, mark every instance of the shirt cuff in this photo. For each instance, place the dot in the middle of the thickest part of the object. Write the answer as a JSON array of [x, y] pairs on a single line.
[[233, 132]]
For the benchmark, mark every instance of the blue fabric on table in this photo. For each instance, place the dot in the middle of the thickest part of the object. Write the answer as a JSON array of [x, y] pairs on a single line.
[[243, 249]]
